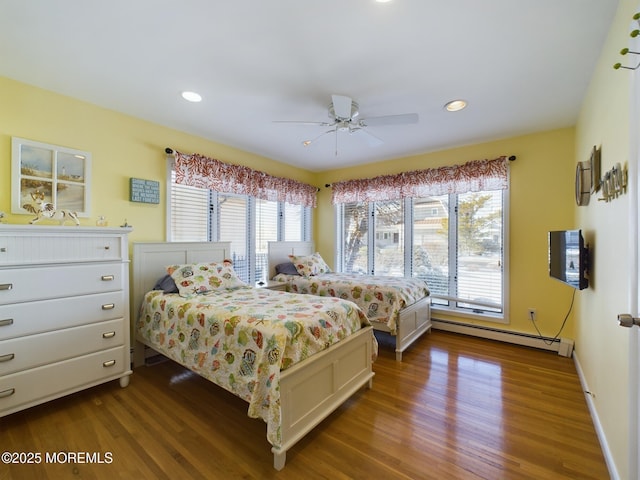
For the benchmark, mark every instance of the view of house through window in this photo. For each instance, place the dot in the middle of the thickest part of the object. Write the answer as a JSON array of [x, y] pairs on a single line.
[[355, 228], [431, 242], [455, 241], [389, 238]]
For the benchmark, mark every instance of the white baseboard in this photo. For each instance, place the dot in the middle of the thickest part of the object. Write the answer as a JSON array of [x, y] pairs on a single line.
[[563, 346], [604, 445]]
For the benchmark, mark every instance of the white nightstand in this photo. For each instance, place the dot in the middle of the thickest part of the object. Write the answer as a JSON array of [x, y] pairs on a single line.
[[271, 285]]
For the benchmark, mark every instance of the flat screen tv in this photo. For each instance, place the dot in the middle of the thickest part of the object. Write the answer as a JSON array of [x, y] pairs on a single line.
[[569, 258]]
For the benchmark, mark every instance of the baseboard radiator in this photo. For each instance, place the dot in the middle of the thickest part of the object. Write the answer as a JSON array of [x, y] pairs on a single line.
[[563, 346]]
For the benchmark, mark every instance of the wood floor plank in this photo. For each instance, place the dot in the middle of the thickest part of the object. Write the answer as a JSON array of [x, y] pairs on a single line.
[[457, 407]]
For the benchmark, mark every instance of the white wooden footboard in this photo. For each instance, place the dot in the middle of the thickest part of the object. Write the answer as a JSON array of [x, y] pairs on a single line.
[[411, 323], [313, 389]]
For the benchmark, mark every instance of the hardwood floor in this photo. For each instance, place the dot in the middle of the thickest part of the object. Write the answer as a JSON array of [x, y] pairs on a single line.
[[457, 407]]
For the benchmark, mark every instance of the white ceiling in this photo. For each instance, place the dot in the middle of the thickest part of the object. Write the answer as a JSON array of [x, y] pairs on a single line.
[[523, 66]]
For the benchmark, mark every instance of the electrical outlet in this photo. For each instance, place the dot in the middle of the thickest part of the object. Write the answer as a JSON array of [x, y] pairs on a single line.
[[532, 314]]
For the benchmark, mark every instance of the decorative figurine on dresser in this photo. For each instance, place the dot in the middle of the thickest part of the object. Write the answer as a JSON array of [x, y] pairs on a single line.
[[64, 311], [44, 209]]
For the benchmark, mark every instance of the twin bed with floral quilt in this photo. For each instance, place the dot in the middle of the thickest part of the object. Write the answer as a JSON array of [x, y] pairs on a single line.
[[397, 305], [293, 358]]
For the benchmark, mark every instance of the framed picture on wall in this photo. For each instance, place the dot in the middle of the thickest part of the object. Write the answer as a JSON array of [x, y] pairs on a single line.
[[50, 173]]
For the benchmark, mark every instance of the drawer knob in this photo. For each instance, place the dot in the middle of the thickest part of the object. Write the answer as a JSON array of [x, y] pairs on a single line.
[[109, 363], [6, 286], [7, 393], [108, 334], [107, 247], [7, 357], [3, 249], [107, 278], [6, 322], [108, 306]]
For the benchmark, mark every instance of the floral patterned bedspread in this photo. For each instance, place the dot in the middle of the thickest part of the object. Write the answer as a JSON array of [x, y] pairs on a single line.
[[381, 297], [241, 339]]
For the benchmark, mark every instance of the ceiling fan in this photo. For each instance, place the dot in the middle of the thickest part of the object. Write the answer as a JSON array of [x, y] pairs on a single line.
[[344, 114]]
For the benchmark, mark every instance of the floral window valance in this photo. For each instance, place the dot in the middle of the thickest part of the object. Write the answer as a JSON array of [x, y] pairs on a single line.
[[198, 171], [473, 176]]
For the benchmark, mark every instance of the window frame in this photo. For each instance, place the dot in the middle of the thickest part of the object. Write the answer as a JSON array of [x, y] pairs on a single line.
[[451, 309]]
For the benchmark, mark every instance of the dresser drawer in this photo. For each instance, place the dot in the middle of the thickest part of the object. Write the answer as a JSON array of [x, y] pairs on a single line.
[[34, 350], [37, 317], [23, 389], [29, 284], [51, 247]]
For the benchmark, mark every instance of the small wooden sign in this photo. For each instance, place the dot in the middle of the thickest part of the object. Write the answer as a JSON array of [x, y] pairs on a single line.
[[144, 191]]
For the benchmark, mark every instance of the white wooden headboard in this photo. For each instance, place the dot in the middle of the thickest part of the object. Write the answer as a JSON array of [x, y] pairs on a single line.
[[150, 262], [279, 253]]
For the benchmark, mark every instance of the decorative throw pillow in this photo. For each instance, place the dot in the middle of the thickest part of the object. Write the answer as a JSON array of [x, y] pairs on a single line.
[[166, 284], [287, 268], [309, 265], [196, 278]]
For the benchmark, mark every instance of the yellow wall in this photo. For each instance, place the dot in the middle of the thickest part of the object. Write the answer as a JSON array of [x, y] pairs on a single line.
[[541, 199], [603, 348], [121, 147]]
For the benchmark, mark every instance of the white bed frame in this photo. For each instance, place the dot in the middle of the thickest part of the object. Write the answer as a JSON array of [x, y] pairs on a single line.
[[309, 391], [412, 321]]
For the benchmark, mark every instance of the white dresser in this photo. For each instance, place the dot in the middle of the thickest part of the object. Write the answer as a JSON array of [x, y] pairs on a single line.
[[64, 311]]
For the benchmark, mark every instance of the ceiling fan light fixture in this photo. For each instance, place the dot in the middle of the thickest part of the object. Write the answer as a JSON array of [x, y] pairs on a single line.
[[192, 97], [455, 105]]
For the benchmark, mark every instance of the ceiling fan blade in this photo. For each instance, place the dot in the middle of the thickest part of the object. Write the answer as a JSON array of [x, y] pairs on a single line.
[[342, 106], [308, 143], [369, 137], [302, 122], [403, 119]]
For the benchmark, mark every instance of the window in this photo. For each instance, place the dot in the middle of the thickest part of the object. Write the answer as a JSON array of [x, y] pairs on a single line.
[[266, 231], [354, 233], [249, 223], [431, 243], [385, 232], [455, 242], [296, 222], [232, 218], [389, 223], [189, 213]]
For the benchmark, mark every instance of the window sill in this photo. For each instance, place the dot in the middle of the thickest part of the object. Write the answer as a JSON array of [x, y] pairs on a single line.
[[458, 313]]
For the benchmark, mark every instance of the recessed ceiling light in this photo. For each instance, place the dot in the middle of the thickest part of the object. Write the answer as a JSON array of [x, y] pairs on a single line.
[[455, 105], [382, 1], [191, 96]]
